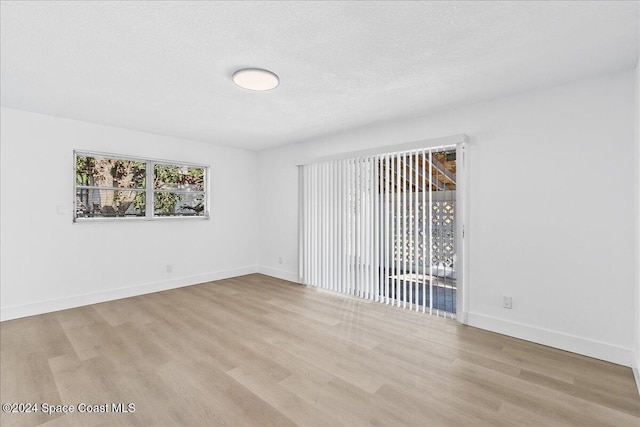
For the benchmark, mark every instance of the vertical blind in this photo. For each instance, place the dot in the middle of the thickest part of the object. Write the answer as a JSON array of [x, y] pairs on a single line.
[[382, 227]]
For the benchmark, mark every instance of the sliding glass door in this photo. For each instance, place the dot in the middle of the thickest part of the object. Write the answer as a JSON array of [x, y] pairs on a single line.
[[383, 227]]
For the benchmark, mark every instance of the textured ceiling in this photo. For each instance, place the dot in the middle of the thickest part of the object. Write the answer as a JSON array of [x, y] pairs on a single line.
[[165, 67]]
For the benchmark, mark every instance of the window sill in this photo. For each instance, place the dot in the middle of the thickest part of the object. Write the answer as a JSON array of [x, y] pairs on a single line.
[[139, 219]]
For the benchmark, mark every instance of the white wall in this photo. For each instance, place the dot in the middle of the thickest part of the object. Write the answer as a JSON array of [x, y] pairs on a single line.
[[637, 210], [551, 209], [49, 263]]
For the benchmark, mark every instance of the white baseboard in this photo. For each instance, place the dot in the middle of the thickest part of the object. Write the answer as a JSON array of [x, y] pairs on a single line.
[[551, 338], [278, 274], [463, 317], [40, 307]]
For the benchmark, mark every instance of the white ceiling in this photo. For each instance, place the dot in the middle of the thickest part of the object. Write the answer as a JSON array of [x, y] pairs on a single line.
[[165, 67]]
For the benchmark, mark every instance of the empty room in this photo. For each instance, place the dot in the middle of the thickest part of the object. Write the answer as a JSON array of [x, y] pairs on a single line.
[[319, 213]]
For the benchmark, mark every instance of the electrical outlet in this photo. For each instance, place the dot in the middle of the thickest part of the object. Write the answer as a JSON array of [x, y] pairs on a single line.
[[507, 302], [169, 268]]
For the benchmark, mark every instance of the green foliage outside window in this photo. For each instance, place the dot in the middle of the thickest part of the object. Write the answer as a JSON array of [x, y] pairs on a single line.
[[114, 174], [172, 177]]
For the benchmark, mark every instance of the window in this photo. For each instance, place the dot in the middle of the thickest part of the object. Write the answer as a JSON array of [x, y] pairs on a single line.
[[112, 186], [178, 190]]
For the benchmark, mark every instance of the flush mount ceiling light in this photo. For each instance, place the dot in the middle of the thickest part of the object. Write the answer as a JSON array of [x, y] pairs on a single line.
[[255, 79]]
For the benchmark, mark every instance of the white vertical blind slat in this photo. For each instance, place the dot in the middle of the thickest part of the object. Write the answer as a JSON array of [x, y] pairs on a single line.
[[393, 227], [311, 226], [307, 225], [358, 224], [372, 229], [416, 247], [330, 229], [352, 225], [364, 249], [424, 231], [316, 228], [376, 224], [410, 247], [387, 244], [430, 269], [398, 231], [345, 220], [363, 227], [337, 234], [366, 197], [322, 224], [404, 230], [340, 227]]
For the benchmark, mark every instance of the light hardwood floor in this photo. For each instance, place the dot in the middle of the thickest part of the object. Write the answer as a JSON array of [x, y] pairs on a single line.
[[259, 351]]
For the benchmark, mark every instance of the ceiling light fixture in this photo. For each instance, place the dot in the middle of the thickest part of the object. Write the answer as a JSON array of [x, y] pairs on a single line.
[[255, 79]]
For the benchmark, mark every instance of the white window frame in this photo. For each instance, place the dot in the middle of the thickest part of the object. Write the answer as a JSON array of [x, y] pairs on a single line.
[[149, 189]]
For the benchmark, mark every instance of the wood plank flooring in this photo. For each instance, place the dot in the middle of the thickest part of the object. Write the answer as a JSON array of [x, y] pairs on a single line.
[[258, 351]]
